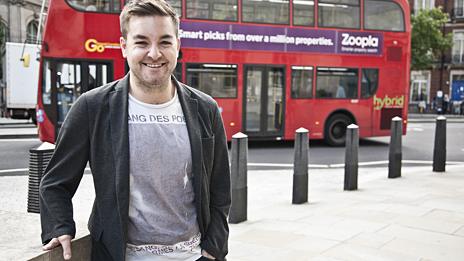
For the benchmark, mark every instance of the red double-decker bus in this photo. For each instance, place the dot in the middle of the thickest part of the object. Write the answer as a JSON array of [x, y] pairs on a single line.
[[272, 65]]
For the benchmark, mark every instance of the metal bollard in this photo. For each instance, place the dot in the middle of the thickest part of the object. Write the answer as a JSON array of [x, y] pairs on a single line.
[[238, 208], [439, 149], [351, 157], [300, 167], [38, 160], [395, 154]]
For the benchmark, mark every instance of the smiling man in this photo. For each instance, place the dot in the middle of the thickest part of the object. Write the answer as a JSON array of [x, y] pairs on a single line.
[[158, 154]]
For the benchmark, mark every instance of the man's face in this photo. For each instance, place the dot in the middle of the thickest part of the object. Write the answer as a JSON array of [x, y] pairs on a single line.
[[151, 50]]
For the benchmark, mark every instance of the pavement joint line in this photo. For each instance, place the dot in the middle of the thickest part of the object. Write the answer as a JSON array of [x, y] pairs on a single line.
[[289, 165], [24, 169], [13, 170], [15, 140]]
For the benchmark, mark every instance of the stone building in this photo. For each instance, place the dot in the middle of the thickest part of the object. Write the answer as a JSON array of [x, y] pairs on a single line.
[[19, 22], [447, 73]]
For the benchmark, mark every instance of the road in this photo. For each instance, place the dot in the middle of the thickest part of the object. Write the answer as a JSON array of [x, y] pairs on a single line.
[[417, 146], [417, 149]]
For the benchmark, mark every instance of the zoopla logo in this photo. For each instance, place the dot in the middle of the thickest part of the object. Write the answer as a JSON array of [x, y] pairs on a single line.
[[360, 41]]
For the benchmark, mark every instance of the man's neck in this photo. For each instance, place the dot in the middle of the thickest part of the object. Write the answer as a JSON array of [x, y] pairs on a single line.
[[157, 95]]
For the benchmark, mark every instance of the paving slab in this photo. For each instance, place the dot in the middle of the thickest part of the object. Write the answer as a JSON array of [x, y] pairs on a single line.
[[417, 217]]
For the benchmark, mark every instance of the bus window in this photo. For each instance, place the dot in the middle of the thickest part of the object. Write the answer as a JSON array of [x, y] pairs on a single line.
[[225, 10], [383, 15], [176, 5], [178, 72], [369, 82], [68, 85], [303, 12], [337, 83], [102, 6], [339, 13], [302, 82], [266, 11], [217, 80], [47, 84]]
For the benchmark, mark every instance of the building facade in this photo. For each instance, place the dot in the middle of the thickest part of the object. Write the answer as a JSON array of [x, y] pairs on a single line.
[[19, 22], [447, 73]]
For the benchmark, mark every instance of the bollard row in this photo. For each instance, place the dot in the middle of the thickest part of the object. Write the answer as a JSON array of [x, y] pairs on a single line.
[[238, 211]]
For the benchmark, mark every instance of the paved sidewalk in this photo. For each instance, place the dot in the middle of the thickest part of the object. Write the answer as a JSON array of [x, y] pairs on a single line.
[[417, 217], [16, 129], [429, 117]]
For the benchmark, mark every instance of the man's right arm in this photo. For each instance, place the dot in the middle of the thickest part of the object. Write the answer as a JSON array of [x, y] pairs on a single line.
[[63, 174]]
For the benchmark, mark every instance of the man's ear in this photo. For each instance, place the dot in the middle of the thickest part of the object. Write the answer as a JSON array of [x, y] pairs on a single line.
[[122, 43]]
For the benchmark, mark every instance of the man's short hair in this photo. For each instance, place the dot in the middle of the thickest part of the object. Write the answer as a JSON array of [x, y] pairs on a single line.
[[146, 8]]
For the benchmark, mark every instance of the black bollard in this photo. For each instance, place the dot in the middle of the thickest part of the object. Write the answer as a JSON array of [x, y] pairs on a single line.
[[439, 149], [300, 167], [351, 157], [239, 151], [395, 154], [38, 161]]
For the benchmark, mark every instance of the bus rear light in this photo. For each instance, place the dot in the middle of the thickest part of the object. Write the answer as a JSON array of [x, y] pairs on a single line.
[[317, 123], [232, 124]]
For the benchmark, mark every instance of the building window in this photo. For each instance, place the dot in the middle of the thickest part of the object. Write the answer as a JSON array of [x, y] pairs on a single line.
[[102, 6], [458, 46], [339, 13], [383, 15], [224, 10], [302, 81], [424, 5], [458, 10], [217, 80], [303, 12], [31, 32], [3, 38], [3, 35], [339, 83], [420, 87], [266, 11]]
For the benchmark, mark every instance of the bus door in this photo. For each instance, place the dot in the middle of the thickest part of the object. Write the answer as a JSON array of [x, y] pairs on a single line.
[[263, 101], [69, 79]]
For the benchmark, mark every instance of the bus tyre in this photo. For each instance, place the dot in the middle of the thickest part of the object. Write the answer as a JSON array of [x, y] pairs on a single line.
[[335, 129]]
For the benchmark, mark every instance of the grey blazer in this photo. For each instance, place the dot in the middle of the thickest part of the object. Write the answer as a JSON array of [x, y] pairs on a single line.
[[96, 131]]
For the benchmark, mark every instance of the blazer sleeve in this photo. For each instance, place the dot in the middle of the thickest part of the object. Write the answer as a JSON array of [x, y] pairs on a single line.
[[216, 240], [64, 173]]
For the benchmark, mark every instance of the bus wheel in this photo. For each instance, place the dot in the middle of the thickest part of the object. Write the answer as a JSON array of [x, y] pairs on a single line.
[[33, 117], [335, 129]]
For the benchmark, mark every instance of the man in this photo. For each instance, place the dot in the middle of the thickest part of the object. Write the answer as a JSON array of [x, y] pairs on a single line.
[[158, 154]]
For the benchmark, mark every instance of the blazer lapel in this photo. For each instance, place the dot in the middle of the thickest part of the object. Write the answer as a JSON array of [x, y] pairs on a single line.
[[118, 103], [190, 110]]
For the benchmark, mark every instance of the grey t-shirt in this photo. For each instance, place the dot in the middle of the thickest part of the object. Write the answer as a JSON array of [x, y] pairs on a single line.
[[161, 208]]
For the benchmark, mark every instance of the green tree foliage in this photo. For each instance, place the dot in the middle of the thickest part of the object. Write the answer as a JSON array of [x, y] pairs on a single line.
[[427, 38]]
